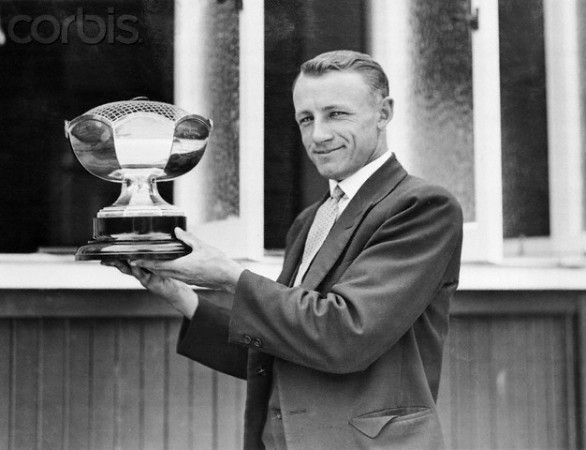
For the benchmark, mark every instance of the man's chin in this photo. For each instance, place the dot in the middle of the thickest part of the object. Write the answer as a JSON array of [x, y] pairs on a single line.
[[330, 173]]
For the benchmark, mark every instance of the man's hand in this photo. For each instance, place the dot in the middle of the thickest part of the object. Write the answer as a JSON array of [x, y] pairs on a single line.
[[178, 294], [205, 266]]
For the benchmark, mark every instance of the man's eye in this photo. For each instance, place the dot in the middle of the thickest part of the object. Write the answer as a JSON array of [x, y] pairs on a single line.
[[305, 120], [338, 113]]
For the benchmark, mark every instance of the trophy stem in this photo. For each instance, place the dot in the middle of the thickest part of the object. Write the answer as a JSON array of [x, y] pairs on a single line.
[[140, 191], [140, 197]]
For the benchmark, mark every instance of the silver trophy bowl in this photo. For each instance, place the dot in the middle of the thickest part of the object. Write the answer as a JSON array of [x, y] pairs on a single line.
[[137, 143]]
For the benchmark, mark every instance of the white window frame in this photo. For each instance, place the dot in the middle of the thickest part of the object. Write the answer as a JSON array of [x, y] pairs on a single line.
[[565, 125], [483, 239], [565, 141], [240, 237]]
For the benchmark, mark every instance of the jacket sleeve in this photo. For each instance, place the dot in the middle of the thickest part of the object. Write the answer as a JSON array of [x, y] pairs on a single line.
[[405, 263], [204, 338]]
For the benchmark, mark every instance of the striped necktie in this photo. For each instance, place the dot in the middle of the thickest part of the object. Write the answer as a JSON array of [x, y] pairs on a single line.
[[323, 222]]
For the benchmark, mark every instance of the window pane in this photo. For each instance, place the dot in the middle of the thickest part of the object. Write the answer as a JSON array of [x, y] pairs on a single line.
[[294, 32], [439, 102], [524, 119], [220, 165], [48, 199]]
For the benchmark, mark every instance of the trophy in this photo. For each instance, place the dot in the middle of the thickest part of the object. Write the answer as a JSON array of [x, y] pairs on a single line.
[[137, 143]]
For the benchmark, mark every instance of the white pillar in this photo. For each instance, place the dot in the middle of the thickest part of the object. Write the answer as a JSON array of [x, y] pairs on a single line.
[[191, 35], [565, 123]]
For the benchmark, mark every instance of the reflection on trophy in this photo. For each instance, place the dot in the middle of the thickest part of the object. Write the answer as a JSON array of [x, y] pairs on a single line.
[[137, 143]]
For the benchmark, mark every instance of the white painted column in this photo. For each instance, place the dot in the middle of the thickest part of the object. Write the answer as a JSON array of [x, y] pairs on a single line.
[[389, 45], [191, 94], [252, 63], [565, 123], [483, 239]]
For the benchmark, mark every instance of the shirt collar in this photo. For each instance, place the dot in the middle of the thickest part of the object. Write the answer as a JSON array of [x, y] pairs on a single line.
[[354, 182]]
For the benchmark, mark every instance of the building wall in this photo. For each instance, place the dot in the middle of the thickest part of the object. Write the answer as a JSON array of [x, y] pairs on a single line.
[[98, 370]]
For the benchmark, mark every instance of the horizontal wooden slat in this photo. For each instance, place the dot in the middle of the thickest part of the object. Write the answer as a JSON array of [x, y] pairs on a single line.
[[136, 303], [82, 303], [516, 303]]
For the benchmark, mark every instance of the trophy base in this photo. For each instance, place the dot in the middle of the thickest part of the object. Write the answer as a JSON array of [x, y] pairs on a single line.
[[141, 237], [127, 250]]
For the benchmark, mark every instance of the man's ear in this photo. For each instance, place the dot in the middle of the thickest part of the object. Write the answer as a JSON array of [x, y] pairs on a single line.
[[386, 112]]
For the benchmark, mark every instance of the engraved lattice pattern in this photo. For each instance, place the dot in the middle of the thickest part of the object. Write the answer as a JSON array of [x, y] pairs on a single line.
[[118, 110]]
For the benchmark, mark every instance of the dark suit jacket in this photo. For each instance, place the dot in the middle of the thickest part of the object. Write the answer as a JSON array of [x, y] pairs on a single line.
[[357, 348]]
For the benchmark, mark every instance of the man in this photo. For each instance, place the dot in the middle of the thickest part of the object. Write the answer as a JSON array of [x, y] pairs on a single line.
[[343, 351]]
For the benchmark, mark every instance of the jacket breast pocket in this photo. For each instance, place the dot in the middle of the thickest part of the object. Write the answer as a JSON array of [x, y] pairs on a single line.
[[413, 427]]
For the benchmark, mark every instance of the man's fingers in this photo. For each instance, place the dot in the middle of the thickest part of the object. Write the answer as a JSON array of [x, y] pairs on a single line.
[[148, 264], [186, 237], [144, 276], [153, 268], [167, 274], [138, 272], [122, 266], [157, 266]]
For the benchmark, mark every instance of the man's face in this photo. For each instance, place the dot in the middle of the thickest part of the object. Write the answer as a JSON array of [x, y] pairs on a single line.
[[341, 120]]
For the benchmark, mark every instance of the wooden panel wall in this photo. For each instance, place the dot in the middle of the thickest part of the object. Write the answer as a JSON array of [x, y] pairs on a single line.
[[509, 383], [95, 370], [110, 384]]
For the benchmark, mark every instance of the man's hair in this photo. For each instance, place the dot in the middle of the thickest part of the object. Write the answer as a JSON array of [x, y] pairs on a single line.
[[351, 61]]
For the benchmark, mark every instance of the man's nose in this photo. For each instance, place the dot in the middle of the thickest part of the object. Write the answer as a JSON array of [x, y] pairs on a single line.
[[321, 132]]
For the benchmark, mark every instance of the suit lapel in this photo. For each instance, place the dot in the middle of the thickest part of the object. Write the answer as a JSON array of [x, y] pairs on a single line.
[[295, 250], [383, 181]]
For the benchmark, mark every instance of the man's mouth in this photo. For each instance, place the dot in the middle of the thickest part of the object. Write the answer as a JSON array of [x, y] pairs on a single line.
[[325, 151]]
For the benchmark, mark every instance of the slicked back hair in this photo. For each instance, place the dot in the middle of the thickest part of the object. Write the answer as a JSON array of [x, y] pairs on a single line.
[[350, 61]]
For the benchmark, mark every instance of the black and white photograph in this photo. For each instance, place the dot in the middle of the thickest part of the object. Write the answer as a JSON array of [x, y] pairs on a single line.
[[292, 224]]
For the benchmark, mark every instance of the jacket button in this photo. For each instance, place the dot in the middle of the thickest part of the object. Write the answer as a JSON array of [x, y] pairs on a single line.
[[262, 372], [247, 339], [279, 415], [257, 342]]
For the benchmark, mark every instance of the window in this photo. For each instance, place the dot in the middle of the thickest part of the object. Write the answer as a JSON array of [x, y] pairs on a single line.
[[490, 95], [523, 119], [276, 180], [444, 78], [542, 129], [52, 69], [219, 64], [488, 103], [294, 32]]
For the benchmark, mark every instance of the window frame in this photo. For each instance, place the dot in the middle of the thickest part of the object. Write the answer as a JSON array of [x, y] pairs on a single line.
[[243, 237], [565, 127], [483, 238], [565, 152], [565, 141], [239, 237]]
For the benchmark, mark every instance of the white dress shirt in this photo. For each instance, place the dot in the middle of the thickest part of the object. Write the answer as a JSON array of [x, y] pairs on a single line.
[[354, 182]]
